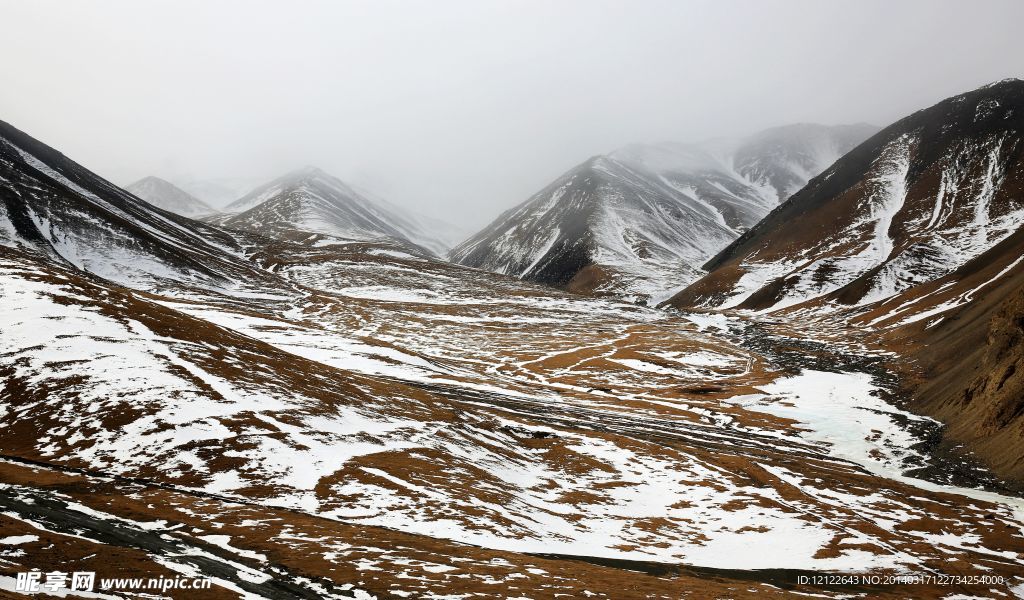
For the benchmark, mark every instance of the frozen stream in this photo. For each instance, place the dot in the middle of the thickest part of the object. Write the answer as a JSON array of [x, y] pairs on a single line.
[[844, 411]]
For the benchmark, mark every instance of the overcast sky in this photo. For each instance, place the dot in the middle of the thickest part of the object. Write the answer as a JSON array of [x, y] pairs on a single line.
[[462, 109]]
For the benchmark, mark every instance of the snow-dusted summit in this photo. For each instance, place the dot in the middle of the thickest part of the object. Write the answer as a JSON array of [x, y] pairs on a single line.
[[311, 200], [164, 194], [638, 222]]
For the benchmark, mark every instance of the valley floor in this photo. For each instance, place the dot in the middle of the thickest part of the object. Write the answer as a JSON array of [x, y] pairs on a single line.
[[383, 425]]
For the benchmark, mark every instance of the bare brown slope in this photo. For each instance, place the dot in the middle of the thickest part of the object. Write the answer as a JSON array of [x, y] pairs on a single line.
[[981, 397], [969, 362]]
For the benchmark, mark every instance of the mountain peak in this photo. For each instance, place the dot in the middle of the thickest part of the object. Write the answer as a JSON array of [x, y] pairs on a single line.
[[151, 179], [167, 196], [312, 200], [990, 107], [307, 172], [1009, 82]]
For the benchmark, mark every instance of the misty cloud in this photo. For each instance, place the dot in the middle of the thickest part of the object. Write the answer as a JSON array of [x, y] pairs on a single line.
[[463, 109]]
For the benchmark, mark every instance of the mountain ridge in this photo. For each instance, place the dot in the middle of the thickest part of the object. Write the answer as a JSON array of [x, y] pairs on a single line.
[[51, 205], [311, 200], [164, 194], [637, 222]]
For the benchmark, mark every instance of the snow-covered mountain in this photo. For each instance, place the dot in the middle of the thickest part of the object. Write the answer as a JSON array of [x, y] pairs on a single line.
[[164, 194], [52, 206], [311, 200], [638, 223], [916, 202]]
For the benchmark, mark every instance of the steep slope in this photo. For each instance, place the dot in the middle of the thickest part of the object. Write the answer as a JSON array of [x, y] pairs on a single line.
[[638, 223], [915, 202], [52, 206], [965, 335], [164, 194], [994, 390], [311, 200]]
